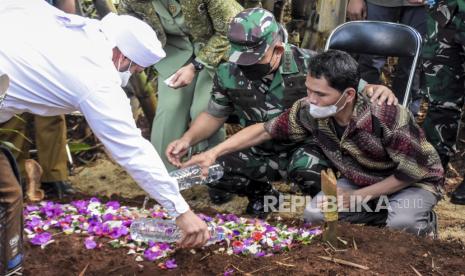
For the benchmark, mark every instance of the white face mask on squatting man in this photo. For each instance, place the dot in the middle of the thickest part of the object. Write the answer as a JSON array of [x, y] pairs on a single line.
[[321, 112]]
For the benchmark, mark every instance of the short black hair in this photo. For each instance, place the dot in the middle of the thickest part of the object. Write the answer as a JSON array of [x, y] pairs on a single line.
[[337, 67]]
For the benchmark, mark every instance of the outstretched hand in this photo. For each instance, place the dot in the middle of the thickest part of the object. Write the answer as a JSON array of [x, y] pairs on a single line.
[[183, 77], [176, 150], [204, 160], [380, 94]]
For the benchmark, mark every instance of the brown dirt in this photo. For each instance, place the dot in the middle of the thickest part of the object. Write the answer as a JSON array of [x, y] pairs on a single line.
[[382, 251]]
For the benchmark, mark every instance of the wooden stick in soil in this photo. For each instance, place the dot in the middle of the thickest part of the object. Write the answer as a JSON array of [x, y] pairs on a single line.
[[83, 272], [329, 188], [415, 270], [344, 262]]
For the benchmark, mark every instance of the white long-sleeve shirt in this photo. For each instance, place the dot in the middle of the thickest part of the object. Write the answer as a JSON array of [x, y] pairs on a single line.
[[60, 63]]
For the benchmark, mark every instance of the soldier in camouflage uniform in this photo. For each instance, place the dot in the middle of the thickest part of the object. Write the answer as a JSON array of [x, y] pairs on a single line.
[[263, 78], [193, 35], [443, 54]]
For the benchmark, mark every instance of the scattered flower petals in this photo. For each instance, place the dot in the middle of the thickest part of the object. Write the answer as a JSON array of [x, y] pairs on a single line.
[[109, 223]]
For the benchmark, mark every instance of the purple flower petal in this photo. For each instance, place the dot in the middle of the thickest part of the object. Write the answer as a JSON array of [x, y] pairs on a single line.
[[260, 254], [164, 246], [231, 217], [228, 272], [34, 222], [41, 238], [158, 214], [94, 199], [205, 218], [117, 232], [316, 231], [80, 204], [151, 255], [107, 217], [248, 241], [32, 208], [127, 223], [171, 264], [113, 204], [90, 243]]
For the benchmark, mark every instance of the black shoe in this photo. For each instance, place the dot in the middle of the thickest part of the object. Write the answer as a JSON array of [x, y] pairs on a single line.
[[218, 196], [58, 188], [261, 205], [458, 196]]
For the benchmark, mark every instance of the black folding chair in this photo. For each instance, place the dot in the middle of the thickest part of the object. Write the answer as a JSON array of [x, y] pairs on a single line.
[[378, 38]]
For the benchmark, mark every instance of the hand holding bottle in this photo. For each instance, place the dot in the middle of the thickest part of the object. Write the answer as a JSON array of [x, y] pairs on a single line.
[[194, 230], [204, 160]]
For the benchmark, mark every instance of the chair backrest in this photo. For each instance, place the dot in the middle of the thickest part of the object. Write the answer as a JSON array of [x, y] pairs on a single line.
[[378, 38]]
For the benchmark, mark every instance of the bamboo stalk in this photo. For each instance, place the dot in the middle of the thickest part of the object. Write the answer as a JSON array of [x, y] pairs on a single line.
[[145, 93], [329, 188]]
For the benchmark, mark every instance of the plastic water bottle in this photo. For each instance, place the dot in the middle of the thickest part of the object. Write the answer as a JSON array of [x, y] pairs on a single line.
[[192, 175], [159, 230]]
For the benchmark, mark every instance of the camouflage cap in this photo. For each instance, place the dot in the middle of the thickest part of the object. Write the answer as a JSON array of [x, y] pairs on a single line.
[[251, 33]]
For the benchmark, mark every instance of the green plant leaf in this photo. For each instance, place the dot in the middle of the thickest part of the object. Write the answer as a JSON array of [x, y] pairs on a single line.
[[9, 145], [79, 147], [17, 132]]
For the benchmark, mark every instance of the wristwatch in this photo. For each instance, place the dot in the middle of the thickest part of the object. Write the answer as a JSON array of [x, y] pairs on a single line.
[[197, 65]]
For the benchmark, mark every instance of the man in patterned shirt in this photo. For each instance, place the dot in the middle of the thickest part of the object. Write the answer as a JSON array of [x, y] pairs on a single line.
[[379, 150]]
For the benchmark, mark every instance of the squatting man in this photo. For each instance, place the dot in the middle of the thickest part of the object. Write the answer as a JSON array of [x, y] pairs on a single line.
[[378, 150]]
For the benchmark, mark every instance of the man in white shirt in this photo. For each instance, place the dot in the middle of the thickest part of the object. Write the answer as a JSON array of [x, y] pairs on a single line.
[[60, 63]]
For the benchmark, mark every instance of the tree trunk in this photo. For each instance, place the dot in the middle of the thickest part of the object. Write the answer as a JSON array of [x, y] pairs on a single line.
[[325, 16], [104, 7], [145, 93]]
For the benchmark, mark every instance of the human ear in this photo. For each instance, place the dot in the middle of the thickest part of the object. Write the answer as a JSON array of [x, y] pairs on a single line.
[[350, 94]]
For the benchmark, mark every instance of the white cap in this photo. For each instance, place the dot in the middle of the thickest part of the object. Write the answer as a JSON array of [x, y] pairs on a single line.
[[4, 83], [134, 38]]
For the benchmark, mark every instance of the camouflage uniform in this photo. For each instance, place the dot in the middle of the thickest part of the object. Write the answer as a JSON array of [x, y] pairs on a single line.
[[206, 21], [248, 172], [443, 54], [188, 29]]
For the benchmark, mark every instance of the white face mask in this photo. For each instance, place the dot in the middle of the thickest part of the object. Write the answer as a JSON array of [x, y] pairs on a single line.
[[320, 112], [124, 75]]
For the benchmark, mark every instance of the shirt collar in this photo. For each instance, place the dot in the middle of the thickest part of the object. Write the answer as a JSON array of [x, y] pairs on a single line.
[[288, 66]]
